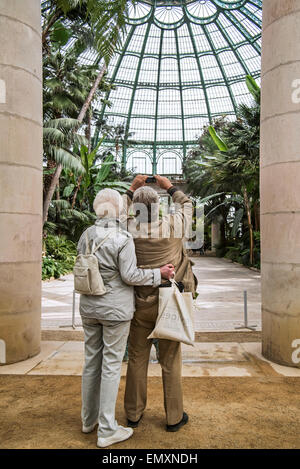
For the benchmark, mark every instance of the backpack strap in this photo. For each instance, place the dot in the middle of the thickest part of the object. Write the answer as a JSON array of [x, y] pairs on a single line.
[[89, 251], [102, 242], [87, 246], [114, 276]]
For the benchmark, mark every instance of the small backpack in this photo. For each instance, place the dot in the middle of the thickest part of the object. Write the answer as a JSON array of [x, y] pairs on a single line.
[[87, 277]]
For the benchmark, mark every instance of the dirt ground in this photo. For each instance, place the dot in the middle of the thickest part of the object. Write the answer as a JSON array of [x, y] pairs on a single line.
[[44, 412]]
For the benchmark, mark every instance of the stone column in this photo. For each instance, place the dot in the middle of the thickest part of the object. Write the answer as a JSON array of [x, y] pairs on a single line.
[[280, 176], [20, 179]]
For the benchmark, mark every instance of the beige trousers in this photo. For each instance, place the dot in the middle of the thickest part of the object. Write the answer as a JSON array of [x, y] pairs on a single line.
[[136, 380]]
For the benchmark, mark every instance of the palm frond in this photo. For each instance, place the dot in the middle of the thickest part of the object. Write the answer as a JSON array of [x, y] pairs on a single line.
[[66, 159], [53, 135]]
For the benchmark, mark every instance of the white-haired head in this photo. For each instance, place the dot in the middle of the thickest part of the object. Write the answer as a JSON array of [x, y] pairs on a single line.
[[146, 202], [108, 204]]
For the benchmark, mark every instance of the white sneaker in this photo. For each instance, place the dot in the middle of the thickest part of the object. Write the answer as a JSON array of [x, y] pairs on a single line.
[[89, 429], [122, 434]]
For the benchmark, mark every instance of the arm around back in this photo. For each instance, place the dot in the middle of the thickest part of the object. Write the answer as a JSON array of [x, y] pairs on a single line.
[[129, 271]]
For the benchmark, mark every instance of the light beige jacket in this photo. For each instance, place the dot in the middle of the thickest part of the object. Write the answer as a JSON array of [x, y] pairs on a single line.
[[154, 251], [117, 259]]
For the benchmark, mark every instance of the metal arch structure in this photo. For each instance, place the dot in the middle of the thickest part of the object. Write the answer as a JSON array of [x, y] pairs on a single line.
[[214, 44]]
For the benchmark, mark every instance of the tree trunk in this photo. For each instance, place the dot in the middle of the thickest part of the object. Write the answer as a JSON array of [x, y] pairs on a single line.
[[50, 192], [51, 22], [256, 209], [89, 99], [57, 189], [248, 210], [47, 178], [89, 131], [81, 116], [76, 191]]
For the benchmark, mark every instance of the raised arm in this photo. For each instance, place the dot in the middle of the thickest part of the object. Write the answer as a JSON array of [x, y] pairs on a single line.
[[181, 220], [138, 181]]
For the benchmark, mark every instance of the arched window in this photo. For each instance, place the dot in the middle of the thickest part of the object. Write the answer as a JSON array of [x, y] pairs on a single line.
[[169, 162], [139, 161]]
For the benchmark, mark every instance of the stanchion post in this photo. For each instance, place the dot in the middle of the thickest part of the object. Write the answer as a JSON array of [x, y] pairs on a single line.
[[73, 310], [245, 326]]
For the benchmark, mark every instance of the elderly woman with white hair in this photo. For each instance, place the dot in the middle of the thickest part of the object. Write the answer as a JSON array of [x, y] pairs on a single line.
[[106, 318]]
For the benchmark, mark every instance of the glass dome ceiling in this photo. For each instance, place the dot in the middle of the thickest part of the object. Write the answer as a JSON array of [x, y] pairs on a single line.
[[183, 63]]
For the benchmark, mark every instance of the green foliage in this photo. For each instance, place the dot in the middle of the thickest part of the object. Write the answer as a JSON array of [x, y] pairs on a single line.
[[60, 34], [237, 220], [68, 222], [59, 136], [253, 88], [223, 170], [69, 27], [238, 251], [67, 82], [218, 141], [60, 257], [106, 18], [50, 268]]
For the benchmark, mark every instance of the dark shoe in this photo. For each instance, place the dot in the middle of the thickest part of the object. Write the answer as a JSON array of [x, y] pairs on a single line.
[[177, 426], [132, 424]]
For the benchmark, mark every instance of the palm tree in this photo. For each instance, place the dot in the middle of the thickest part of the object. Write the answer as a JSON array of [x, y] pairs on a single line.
[[108, 20], [200, 173], [66, 86], [227, 161], [59, 137]]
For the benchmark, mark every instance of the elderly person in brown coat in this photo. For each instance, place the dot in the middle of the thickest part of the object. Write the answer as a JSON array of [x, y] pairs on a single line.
[[158, 241]]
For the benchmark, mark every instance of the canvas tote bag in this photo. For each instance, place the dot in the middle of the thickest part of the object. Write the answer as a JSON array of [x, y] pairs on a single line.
[[175, 320]]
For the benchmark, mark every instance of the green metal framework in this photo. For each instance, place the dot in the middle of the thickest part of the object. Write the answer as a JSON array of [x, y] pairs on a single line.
[[182, 64]]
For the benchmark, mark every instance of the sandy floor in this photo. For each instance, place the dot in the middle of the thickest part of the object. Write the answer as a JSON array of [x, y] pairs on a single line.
[[44, 412]]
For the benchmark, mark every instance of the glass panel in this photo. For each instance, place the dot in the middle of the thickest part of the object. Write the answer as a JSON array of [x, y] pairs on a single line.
[[169, 130], [217, 56], [193, 127], [194, 101], [142, 129], [144, 102], [219, 100]]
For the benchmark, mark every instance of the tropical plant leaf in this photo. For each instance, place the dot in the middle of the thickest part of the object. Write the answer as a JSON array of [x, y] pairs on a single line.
[[104, 170], [210, 197], [61, 204], [53, 84], [60, 34], [68, 190], [218, 141], [115, 184], [237, 220], [253, 88], [66, 159], [49, 227], [68, 5], [53, 135], [63, 124]]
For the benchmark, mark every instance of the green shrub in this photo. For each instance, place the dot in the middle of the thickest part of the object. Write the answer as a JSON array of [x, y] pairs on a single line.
[[52, 268], [60, 257]]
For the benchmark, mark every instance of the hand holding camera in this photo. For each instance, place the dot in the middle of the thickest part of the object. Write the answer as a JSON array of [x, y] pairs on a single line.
[[141, 180]]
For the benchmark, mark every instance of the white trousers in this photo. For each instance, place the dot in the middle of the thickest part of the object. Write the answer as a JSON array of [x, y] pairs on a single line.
[[104, 345]]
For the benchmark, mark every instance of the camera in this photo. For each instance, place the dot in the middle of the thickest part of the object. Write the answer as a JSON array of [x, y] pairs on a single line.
[[151, 179]]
